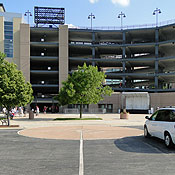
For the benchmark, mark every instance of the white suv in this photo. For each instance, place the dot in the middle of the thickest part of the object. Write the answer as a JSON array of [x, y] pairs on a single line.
[[161, 124]]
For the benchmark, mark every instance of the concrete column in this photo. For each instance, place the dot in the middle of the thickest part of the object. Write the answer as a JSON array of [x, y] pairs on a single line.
[[124, 52], [2, 34], [123, 47], [124, 66], [93, 52], [123, 57], [124, 37], [93, 48], [156, 50], [93, 56], [123, 78], [93, 36], [156, 71], [63, 54], [156, 66], [156, 81], [16, 41], [123, 82], [157, 35], [24, 61]]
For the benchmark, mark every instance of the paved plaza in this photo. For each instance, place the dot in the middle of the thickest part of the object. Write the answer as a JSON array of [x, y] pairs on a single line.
[[108, 128], [105, 147]]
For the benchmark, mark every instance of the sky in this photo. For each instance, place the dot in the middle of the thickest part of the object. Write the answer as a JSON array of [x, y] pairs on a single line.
[[138, 12]]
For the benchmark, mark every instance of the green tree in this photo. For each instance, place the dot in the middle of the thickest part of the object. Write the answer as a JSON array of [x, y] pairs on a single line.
[[14, 91], [85, 86]]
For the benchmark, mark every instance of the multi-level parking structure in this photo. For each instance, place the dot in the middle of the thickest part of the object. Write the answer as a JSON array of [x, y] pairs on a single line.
[[134, 60]]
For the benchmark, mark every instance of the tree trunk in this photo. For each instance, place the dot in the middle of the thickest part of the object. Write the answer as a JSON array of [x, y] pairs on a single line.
[[8, 117], [81, 110]]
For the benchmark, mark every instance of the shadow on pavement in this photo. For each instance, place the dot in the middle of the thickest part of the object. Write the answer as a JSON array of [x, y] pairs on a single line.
[[139, 144], [135, 127]]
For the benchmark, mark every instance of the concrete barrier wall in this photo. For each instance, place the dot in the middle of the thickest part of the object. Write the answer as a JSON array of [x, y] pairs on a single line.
[[114, 99], [156, 100], [162, 99]]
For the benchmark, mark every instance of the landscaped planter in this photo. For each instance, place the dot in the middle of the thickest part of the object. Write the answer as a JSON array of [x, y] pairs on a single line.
[[124, 115]]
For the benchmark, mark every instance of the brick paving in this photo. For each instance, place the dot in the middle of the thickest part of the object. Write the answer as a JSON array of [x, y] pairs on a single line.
[[111, 127], [90, 132]]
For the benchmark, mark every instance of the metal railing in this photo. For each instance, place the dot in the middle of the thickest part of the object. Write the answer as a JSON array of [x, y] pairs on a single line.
[[88, 111], [139, 26]]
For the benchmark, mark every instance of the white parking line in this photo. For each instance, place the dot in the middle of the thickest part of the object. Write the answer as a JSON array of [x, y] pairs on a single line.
[[81, 165]]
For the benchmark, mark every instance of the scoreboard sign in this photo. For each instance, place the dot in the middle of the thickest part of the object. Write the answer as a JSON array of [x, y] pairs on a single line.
[[48, 15]]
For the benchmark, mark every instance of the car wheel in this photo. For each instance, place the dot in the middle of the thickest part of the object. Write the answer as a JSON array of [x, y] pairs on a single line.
[[168, 140], [146, 133]]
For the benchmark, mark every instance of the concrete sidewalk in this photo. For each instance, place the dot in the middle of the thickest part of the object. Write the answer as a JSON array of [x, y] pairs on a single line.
[[45, 120]]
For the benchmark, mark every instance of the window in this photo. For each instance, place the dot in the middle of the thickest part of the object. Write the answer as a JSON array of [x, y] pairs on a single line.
[[163, 115], [85, 106], [108, 107], [8, 38], [7, 32], [8, 46], [172, 116], [8, 28], [153, 117], [102, 106], [8, 23]]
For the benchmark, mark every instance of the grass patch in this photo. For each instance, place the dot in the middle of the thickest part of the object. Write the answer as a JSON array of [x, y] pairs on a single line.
[[3, 118], [78, 119]]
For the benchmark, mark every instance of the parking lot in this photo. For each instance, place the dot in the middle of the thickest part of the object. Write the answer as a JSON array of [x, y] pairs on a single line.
[[25, 155]]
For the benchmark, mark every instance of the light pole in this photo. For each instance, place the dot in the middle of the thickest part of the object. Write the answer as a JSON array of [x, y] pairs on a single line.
[[91, 17], [121, 15], [28, 13], [156, 12]]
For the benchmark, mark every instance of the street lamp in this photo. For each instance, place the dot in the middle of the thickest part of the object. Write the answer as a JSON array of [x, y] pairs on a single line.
[[121, 15], [91, 17], [28, 13], [156, 12]]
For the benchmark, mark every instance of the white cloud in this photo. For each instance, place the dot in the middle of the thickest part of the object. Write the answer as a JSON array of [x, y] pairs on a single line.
[[121, 2], [72, 26], [93, 1]]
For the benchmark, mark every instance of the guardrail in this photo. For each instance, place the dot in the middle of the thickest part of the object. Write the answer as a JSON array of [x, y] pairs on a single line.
[[139, 26], [88, 111]]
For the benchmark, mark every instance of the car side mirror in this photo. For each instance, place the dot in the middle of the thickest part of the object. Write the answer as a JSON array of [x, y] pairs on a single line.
[[147, 117]]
